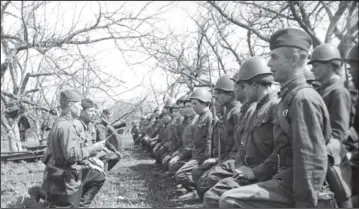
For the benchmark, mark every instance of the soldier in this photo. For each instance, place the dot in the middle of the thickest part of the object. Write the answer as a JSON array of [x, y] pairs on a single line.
[[352, 60], [162, 137], [256, 144], [226, 98], [177, 133], [309, 76], [174, 138], [301, 130], [94, 166], [185, 152], [202, 133], [134, 132], [63, 175], [327, 62]]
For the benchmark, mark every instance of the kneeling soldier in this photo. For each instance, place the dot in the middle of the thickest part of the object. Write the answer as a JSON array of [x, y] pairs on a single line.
[[256, 144]]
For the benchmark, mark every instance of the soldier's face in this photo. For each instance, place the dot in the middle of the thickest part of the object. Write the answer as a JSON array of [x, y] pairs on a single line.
[[321, 71], [75, 108], [176, 113], [222, 97], [238, 92], [88, 114], [198, 106], [181, 108], [188, 109], [280, 64], [250, 90]]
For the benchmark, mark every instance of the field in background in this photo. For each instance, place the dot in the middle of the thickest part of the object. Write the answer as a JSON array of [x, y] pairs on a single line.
[[131, 184]]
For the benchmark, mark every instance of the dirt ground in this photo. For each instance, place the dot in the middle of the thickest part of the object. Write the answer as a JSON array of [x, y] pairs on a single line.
[[132, 183]]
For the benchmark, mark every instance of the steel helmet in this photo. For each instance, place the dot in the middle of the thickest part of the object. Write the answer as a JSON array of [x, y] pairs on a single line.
[[187, 98], [181, 99], [156, 109], [255, 69], [235, 76], [352, 54], [170, 102], [324, 53], [308, 74], [202, 95], [174, 106], [224, 83]]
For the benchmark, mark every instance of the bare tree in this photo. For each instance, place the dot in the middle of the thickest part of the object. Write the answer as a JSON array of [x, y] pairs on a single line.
[[46, 47]]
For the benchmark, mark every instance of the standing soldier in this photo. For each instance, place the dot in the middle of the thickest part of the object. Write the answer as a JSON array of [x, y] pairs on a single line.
[[301, 130], [255, 158], [352, 59], [226, 98], [202, 133], [327, 63], [64, 177]]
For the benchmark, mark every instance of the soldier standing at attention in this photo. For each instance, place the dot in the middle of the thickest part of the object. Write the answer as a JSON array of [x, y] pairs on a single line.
[[327, 63], [64, 177], [202, 133], [301, 131]]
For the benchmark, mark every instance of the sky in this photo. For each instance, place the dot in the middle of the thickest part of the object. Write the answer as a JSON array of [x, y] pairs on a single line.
[[110, 59]]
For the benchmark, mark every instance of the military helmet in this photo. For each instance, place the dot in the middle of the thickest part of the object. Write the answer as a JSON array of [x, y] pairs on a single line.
[[235, 76], [255, 69], [187, 98], [174, 106], [156, 109], [169, 102], [181, 99], [308, 74], [224, 83], [352, 54], [202, 95], [324, 53]]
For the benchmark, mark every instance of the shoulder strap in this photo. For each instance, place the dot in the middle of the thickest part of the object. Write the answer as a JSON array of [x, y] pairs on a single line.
[[282, 115]]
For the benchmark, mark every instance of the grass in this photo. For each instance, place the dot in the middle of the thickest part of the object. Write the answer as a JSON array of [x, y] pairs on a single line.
[[130, 184]]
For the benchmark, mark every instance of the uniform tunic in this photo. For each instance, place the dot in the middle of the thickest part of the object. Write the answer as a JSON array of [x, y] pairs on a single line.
[[302, 153], [202, 134], [255, 147], [64, 152]]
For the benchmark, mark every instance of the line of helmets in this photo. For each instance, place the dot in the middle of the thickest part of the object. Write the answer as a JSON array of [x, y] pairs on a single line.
[[256, 69]]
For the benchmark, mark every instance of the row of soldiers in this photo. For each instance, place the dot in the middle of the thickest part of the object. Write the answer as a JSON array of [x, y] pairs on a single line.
[[265, 145], [78, 155]]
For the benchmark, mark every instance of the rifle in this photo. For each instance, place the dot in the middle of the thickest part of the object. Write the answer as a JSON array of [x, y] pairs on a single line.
[[213, 119]]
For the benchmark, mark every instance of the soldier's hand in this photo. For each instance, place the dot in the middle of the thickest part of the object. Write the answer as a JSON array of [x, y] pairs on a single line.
[[210, 161], [100, 145], [245, 172], [174, 160]]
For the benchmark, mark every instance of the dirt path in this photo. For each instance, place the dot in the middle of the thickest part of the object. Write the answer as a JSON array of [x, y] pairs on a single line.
[[132, 183]]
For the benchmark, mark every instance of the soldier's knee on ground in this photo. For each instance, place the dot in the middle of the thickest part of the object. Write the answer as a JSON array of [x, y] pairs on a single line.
[[196, 174], [227, 201]]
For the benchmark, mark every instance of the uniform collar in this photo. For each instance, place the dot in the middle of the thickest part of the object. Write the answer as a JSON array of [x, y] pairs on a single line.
[[291, 84], [245, 106], [231, 105], [264, 100], [334, 80]]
